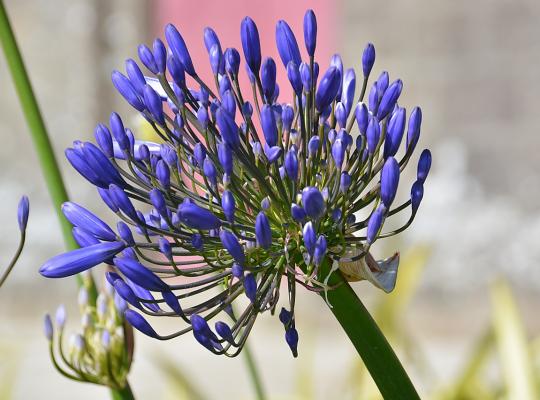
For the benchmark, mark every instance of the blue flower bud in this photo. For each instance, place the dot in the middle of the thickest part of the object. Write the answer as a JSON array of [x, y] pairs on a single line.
[[373, 134], [313, 146], [268, 77], [272, 153], [237, 271], [345, 137], [349, 86], [172, 301], [305, 76], [382, 83], [231, 244], [362, 117], [154, 104], [158, 201], [210, 171], [247, 109], [320, 250], [163, 174], [197, 241], [202, 117], [336, 215], [104, 140], [232, 61], [375, 223], [294, 77], [269, 127], [48, 327], [210, 39], [147, 58], [291, 164], [80, 260], [389, 181], [123, 202], [341, 115], [224, 331], [250, 287], [265, 203], [176, 69], [215, 58], [313, 202], [389, 99], [396, 127], [84, 219], [424, 164], [310, 32], [328, 88], [165, 248], [413, 132], [331, 135], [197, 217], [125, 233], [417, 193], [263, 232], [160, 55], [83, 238], [251, 44], [135, 75], [225, 158], [228, 205], [310, 237], [291, 337], [23, 210], [125, 292], [199, 152], [126, 89], [368, 59], [345, 181], [178, 48], [139, 274], [228, 103], [338, 152], [373, 98], [107, 199], [227, 128], [285, 316], [297, 213], [118, 131], [60, 317], [286, 44], [137, 321], [337, 62]]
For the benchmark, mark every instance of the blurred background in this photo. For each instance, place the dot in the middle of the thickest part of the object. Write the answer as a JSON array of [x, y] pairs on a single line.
[[473, 67]]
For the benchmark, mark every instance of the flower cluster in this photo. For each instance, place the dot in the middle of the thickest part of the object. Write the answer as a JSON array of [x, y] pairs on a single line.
[[101, 353], [242, 194]]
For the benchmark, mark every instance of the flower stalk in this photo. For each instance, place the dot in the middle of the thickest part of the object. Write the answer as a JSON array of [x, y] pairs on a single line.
[[368, 340], [38, 131]]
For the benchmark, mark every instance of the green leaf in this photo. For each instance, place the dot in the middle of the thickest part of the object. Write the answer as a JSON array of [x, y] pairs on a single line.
[[512, 345]]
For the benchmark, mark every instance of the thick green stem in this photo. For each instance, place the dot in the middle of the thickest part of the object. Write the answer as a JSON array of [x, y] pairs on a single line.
[[122, 394], [370, 343], [42, 144], [253, 373]]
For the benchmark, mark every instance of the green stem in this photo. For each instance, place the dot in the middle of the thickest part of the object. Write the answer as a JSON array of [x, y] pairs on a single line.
[[253, 372], [42, 144], [370, 343], [122, 394]]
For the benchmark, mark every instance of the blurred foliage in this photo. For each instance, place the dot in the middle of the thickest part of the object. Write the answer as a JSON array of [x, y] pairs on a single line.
[[501, 364]]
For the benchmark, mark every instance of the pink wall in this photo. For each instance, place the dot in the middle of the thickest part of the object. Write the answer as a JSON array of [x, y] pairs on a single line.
[[191, 17]]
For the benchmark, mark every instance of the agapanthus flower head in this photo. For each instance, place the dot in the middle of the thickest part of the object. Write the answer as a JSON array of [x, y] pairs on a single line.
[[222, 210]]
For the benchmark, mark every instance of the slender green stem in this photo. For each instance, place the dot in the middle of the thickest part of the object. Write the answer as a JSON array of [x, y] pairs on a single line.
[[370, 343], [253, 373], [38, 131], [122, 394]]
